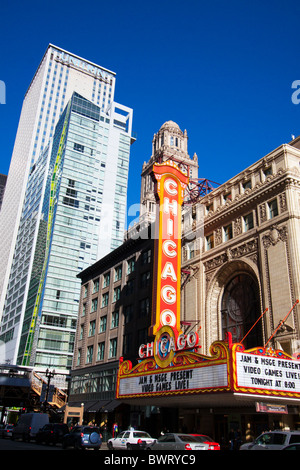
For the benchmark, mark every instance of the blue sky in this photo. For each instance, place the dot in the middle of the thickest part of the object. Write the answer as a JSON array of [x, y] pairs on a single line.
[[222, 69]]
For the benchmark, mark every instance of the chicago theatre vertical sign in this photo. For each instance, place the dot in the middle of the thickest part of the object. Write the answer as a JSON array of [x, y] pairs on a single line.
[[170, 365], [170, 184]]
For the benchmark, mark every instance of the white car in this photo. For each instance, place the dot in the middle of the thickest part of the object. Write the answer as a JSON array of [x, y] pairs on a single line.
[[131, 440]]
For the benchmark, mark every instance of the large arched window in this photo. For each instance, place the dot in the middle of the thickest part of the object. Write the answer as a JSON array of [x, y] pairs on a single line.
[[240, 309]]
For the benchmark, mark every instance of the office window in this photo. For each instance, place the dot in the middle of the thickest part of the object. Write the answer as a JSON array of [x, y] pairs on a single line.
[[118, 273], [94, 305], [144, 309], [117, 294], [103, 322], [96, 285], [89, 354], [129, 287], [248, 222], [106, 279], [130, 265], [100, 351], [92, 328], [115, 319], [146, 257], [273, 208], [128, 313], [145, 279], [81, 332], [127, 343], [104, 300], [78, 147], [113, 348], [78, 357]]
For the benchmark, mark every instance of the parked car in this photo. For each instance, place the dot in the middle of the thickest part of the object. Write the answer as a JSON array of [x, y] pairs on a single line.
[[212, 445], [131, 439], [292, 447], [52, 433], [273, 440], [178, 441], [6, 431], [83, 437], [28, 425]]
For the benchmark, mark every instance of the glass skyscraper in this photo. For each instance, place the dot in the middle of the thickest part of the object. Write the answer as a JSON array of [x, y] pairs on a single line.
[[73, 214], [58, 75]]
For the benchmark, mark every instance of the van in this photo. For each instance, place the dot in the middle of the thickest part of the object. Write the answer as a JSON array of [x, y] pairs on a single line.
[[28, 425]]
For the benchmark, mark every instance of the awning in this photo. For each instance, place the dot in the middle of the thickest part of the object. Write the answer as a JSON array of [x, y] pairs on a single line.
[[112, 405], [93, 407]]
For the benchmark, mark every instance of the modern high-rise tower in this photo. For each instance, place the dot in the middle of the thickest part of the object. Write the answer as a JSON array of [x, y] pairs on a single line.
[[59, 74], [73, 214]]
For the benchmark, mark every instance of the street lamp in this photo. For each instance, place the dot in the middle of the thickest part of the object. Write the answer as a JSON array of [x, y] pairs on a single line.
[[49, 376]]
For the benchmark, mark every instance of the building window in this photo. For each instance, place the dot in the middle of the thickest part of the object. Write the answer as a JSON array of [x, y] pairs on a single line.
[[209, 242], [143, 336], [247, 185], [273, 208], [227, 197], [130, 266], [130, 287], [128, 313], [106, 279], [190, 250], [104, 300], [92, 328], [94, 305], [78, 357], [83, 309], [127, 342], [248, 222], [89, 354], [267, 172], [145, 279], [100, 351], [144, 307], [103, 322], [146, 257], [115, 319], [78, 147], [227, 232], [96, 285], [81, 332], [113, 348], [209, 208], [117, 294], [118, 273]]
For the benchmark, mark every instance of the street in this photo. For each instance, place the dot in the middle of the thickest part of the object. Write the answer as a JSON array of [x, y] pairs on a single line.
[[8, 444]]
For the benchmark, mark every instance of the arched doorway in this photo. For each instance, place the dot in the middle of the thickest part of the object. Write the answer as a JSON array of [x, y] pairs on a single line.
[[240, 308]]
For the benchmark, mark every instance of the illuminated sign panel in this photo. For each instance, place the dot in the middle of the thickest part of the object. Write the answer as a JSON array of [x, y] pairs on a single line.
[[269, 372], [172, 382], [190, 373]]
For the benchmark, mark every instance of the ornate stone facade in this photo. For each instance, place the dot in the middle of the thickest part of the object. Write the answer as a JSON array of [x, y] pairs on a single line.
[[250, 236]]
